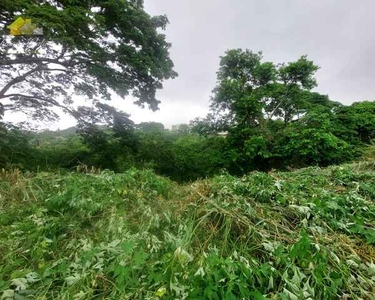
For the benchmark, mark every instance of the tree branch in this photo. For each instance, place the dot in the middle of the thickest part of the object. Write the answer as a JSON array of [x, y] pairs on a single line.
[[38, 60], [29, 60], [50, 101], [18, 80], [281, 102], [60, 70], [24, 76]]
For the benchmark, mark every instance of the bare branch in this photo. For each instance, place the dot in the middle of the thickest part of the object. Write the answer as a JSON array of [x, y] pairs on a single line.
[[18, 80], [24, 77], [50, 101]]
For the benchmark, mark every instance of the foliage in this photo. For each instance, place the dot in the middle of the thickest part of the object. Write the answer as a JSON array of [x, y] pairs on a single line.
[[179, 156], [307, 234], [356, 123], [155, 148], [263, 116], [273, 119], [15, 148], [369, 153], [197, 157], [113, 145], [250, 91], [208, 125], [89, 48], [59, 153], [311, 141]]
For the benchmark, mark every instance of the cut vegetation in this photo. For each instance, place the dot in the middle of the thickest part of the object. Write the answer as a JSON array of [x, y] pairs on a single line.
[[307, 234]]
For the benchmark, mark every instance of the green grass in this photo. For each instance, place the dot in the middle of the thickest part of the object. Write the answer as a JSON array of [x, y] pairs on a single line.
[[307, 234]]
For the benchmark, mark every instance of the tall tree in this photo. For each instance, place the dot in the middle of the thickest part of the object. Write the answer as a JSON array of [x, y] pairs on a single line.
[[89, 48], [259, 102], [250, 92]]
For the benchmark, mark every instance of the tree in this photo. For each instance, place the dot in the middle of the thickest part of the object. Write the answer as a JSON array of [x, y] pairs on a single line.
[[110, 136], [356, 123], [155, 148], [262, 105], [311, 141], [152, 127], [197, 157], [89, 48], [54, 151], [250, 92], [15, 147], [183, 129], [209, 125]]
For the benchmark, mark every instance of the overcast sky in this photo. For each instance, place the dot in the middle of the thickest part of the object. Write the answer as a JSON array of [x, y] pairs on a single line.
[[338, 35]]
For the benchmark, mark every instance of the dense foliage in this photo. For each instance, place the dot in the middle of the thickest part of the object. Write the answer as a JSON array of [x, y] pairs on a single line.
[[321, 137], [273, 119], [307, 234], [89, 49], [179, 156]]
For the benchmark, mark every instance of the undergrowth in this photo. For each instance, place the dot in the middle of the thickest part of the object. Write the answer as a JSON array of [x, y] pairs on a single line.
[[307, 234]]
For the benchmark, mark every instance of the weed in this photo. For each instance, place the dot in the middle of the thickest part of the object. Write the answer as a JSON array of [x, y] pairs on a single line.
[[307, 234]]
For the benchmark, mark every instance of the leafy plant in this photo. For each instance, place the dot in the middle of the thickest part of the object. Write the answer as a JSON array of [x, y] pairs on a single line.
[[307, 234]]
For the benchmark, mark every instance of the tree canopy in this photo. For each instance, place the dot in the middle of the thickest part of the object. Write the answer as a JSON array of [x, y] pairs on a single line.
[[89, 48], [249, 92]]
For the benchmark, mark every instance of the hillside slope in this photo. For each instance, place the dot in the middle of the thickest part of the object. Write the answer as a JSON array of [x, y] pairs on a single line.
[[307, 234]]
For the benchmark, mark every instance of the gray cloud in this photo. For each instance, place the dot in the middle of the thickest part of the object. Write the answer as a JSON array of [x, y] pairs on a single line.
[[338, 35]]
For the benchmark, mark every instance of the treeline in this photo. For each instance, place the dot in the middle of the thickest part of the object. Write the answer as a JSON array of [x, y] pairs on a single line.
[[320, 137], [263, 116], [181, 154]]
